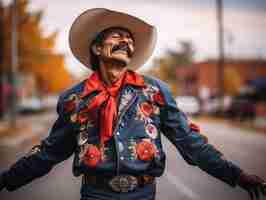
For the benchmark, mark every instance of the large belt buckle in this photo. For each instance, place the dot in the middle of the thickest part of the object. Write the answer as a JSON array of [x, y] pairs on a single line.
[[123, 183]]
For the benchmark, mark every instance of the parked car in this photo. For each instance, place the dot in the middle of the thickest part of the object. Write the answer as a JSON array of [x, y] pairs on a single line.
[[188, 104], [30, 105], [242, 108]]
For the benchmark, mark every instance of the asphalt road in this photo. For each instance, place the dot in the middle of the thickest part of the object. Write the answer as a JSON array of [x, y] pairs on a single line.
[[180, 181]]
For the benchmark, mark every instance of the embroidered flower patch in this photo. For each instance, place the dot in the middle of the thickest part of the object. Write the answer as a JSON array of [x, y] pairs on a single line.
[[151, 130], [154, 94], [82, 117], [194, 127], [92, 156], [125, 99], [145, 150], [82, 137], [158, 98], [146, 108], [71, 103]]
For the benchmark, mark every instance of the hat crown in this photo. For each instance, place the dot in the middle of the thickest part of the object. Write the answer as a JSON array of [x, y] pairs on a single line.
[[93, 21]]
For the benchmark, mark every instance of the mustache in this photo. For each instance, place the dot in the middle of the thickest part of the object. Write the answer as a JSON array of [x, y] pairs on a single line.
[[123, 47]]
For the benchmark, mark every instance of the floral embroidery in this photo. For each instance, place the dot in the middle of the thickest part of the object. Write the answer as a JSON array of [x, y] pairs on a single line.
[[74, 117], [82, 137], [71, 103], [105, 152], [82, 117], [125, 98], [156, 110], [132, 149], [69, 106], [157, 97], [92, 155], [194, 127], [151, 130], [84, 121], [146, 150], [146, 108], [150, 90], [143, 112]]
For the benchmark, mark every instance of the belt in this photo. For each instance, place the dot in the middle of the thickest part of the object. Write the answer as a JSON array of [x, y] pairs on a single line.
[[121, 183]]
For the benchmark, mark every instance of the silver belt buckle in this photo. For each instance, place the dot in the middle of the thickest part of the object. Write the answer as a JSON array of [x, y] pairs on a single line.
[[123, 183]]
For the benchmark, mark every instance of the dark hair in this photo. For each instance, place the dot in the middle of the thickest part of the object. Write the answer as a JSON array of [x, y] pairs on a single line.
[[98, 41]]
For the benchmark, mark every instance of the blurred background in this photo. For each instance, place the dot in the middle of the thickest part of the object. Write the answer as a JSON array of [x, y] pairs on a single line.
[[212, 54]]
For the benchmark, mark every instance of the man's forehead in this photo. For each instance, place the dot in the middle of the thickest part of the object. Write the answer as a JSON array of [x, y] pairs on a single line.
[[118, 30]]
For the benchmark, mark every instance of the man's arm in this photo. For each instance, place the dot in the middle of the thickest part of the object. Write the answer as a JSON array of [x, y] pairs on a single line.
[[58, 146], [196, 150]]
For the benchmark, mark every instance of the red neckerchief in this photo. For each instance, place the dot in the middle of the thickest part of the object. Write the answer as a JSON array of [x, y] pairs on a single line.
[[107, 99]]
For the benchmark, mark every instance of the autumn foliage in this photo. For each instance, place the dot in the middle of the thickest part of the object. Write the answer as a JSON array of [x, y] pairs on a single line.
[[36, 52]]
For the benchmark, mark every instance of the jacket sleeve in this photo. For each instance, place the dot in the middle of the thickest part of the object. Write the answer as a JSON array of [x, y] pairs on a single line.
[[58, 146], [194, 147]]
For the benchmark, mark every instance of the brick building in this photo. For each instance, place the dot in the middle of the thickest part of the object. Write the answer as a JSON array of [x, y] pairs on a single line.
[[192, 79]]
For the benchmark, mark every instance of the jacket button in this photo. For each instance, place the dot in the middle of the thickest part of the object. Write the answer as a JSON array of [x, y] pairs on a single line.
[[120, 146], [117, 133]]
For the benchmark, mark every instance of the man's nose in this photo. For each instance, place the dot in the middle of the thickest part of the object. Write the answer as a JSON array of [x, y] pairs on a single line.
[[125, 39]]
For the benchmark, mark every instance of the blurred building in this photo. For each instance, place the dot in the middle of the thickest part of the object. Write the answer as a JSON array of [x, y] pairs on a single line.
[[202, 78]]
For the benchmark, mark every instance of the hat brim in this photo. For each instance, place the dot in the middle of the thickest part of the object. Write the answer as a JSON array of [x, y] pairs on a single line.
[[93, 21]]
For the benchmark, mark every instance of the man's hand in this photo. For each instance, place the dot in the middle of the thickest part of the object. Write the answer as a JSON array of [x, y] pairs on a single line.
[[254, 185]]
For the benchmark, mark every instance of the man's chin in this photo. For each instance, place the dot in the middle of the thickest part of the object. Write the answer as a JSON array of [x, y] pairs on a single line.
[[121, 61]]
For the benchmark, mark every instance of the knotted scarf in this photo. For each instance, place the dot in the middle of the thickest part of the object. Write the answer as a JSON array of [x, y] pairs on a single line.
[[106, 99]]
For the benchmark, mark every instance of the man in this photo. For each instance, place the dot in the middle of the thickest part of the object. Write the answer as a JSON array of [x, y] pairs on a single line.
[[113, 121]]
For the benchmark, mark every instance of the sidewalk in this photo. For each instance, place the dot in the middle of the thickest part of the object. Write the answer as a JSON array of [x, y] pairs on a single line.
[[27, 128], [248, 125]]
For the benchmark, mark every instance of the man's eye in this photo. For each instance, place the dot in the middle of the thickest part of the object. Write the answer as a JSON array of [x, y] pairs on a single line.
[[116, 36]]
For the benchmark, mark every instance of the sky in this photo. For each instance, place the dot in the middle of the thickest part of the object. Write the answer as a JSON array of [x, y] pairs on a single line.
[[175, 20]]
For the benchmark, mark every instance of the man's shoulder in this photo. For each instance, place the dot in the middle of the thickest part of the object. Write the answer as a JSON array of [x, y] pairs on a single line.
[[76, 90], [151, 80]]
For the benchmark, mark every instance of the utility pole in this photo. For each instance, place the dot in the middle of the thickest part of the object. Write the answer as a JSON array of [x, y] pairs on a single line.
[[220, 34], [1, 34], [14, 66], [2, 98]]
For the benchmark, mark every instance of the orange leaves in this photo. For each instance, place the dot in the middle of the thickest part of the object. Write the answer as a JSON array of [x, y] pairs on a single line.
[[35, 49]]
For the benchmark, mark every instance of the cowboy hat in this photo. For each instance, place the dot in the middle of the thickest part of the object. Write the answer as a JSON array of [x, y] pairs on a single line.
[[93, 21]]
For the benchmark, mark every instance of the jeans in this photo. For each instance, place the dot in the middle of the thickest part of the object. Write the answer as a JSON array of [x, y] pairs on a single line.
[[146, 192]]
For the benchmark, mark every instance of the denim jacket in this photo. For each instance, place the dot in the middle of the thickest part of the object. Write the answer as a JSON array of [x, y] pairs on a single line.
[[144, 114]]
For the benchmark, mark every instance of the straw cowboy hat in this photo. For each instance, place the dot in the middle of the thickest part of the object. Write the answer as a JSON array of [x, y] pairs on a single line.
[[93, 21]]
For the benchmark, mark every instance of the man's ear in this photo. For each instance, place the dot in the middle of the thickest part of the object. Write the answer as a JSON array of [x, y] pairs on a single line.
[[96, 49]]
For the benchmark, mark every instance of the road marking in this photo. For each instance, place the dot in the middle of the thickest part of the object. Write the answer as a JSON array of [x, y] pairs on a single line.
[[181, 186]]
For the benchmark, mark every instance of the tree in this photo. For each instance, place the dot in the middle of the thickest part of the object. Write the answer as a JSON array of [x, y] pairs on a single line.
[[36, 53], [165, 67], [232, 85], [1, 35]]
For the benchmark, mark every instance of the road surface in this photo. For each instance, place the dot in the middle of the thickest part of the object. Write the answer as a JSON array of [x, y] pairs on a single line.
[[180, 181]]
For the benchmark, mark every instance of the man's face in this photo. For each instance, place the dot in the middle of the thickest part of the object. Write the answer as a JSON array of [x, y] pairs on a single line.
[[117, 45]]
